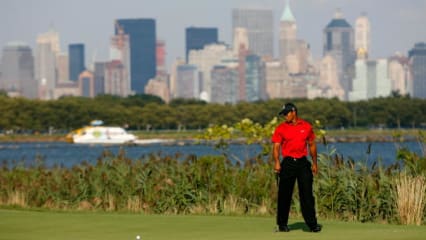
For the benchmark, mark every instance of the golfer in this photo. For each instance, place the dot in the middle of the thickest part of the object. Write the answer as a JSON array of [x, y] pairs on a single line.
[[293, 138]]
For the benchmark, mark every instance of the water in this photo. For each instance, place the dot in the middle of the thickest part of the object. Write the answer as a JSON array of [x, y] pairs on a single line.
[[68, 155]]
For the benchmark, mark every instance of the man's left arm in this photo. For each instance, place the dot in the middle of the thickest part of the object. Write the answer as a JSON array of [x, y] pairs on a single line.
[[313, 152]]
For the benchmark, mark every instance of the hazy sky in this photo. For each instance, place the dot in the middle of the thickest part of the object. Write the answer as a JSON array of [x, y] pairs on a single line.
[[396, 24]]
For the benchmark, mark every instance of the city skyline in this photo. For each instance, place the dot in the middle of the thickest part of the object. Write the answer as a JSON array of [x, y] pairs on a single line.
[[92, 23]]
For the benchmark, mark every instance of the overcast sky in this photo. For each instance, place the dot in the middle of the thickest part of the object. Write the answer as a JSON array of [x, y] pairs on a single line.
[[396, 24]]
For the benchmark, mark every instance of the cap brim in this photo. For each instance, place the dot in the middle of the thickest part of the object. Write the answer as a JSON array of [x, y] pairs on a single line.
[[283, 112]]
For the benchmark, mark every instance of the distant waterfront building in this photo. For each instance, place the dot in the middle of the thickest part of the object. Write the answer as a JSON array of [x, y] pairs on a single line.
[[241, 50], [158, 87], [47, 50], [67, 88], [363, 34], [120, 51], [188, 82], [76, 60], [339, 44], [197, 37], [275, 77], [86, 84], [17, 76], [417, 56], [116, 79], [255, 79], [329, 84], [259, 24], [161, 59], [371, 80], [399, 74], [205, 59], [173, 77], [224, 85], [142, 35], [99, 72], [62, 63]]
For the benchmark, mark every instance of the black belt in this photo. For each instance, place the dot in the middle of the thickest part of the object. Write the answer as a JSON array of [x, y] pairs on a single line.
[[294, 159]]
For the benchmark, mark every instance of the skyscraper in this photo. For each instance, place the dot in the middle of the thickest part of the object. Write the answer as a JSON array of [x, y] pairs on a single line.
[[47, 50], [76, 60], [260, 29], [142, 35], [339, 43], [196, 38], [362, 34], [255, 79], [288, 34], [294, 53], [417, 57], [18, 70], [371, 80]]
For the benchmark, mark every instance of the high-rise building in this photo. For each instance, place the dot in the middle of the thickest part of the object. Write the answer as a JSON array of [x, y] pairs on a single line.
[[275, 76], [86, 84], [362, 34], [224, 84], [18, 70], [188, 82], [288, 35], [161, 59], [99, 77], [173, 77], [142, 35], [255, 79], [197, 37], [399, 74], [339, 43], [259, 24], [206, 59], [417, 57], [329, 84], [76, 60], [120, 51], [371, 80], [294, 53], [62, 63], [47, 50], [116, 79], [240, 49]]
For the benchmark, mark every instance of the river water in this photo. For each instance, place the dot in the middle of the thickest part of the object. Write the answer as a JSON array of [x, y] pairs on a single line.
[[68, 155]]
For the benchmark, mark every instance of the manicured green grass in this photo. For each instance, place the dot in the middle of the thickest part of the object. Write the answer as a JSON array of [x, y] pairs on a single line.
[[28, 225]]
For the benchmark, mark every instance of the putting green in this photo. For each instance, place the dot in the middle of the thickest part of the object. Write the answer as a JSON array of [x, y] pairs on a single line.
[[31, 224]]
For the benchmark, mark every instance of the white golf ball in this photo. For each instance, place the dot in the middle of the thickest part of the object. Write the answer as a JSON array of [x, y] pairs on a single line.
[[138, 237]]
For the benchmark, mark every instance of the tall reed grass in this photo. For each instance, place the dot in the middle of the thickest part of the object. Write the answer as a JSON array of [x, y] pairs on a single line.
[[410, 195], [175, 184]]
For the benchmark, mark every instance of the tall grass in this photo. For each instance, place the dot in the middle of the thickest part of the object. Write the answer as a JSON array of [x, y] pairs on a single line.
[[411, 198], [157, 183]]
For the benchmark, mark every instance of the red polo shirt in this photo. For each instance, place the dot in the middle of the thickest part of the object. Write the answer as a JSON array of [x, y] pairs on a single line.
[[294, 138]]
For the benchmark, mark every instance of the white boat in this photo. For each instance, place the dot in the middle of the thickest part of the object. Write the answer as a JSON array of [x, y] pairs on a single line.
[[100, 135]]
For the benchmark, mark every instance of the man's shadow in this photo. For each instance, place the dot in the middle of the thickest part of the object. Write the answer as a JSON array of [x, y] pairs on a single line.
[[298, 226]]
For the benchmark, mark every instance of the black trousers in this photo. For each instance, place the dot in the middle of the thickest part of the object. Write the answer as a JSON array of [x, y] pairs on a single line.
[[291, 170]]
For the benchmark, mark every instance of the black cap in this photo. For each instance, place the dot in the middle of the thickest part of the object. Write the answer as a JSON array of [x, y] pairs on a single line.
[[288, 107]]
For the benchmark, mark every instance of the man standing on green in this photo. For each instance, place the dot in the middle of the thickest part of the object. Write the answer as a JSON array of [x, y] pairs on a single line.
[[293, 137]]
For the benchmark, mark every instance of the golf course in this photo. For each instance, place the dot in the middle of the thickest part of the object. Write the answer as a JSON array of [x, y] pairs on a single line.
[[63, 225]]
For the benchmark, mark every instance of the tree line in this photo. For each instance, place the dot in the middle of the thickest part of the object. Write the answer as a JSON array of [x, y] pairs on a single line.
[[143, 112]]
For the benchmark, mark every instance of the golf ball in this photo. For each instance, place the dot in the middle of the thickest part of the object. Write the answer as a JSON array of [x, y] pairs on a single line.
[[138, 237]]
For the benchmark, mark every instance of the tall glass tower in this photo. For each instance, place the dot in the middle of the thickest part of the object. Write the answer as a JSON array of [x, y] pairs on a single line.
[[18, 70], [76, 60], [417, 57], [339, 43], [259, 24], [197, 38], [142, 35]]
